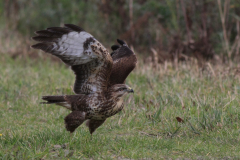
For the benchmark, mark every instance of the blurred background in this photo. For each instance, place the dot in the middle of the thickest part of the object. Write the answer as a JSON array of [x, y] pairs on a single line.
[[158, 30]]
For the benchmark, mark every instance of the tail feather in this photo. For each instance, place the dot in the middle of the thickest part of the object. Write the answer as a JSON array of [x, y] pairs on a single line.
[[63, 100], [53, 99]]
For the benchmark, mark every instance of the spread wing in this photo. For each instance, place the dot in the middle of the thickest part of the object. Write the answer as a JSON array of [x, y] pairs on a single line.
[[124, 61], [88, 58]]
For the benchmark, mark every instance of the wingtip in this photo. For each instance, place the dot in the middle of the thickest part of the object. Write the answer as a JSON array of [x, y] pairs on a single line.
[[120, 41], [45, 98], [115, 47], [37, 38], [39, 31], [33, 37], [36, 46], [35, 33], [68, 24], [74, 27], [33, 46]]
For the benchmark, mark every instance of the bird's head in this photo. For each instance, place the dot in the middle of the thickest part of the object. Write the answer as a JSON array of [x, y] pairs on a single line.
[[119, 90]]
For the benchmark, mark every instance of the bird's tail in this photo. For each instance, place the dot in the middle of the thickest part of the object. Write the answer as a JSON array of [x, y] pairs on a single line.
[[59, 100], [53, 99]]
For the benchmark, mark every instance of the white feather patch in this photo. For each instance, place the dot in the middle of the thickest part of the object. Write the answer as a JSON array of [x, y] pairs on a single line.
[[71, 47]]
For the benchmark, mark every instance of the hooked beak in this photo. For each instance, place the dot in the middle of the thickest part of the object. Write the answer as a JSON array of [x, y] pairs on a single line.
[[130, 90]]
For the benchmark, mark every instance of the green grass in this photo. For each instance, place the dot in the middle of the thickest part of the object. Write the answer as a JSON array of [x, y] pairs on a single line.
[[207, 101]]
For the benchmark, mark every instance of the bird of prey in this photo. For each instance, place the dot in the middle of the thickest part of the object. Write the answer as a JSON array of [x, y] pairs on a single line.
[[100, 76]]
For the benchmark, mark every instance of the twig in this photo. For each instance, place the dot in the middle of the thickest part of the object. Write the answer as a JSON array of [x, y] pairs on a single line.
[[210, 66], [131, 16], [238, 38], [223, 19], [148, 134], [155, 58], [186, 21]]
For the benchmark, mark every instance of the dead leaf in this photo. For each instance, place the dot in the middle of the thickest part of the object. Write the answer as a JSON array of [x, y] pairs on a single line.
[[180, 120]]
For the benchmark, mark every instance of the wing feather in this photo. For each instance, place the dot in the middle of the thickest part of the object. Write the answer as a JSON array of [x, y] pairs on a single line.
[[88, 58], [48, 34], [124, 61], [74, 27]]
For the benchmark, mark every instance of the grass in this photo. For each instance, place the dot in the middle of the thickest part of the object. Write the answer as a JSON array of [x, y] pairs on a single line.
[[206, 100]]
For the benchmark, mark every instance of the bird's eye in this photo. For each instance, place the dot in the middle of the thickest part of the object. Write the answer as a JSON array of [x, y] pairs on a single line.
[[121, 89]]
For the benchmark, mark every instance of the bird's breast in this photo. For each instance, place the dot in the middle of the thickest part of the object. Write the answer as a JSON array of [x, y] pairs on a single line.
[[118, 104]]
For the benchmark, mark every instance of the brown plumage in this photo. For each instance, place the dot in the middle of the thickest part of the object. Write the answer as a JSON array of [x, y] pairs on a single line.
[[100, 76]]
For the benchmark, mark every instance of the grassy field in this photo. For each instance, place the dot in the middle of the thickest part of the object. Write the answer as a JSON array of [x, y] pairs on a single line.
[[207, 101]]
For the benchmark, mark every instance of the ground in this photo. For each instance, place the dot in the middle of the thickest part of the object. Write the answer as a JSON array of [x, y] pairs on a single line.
[[205, 100]]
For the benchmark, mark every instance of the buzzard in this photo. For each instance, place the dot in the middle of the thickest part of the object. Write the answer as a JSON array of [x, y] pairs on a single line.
[[100, 76]]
